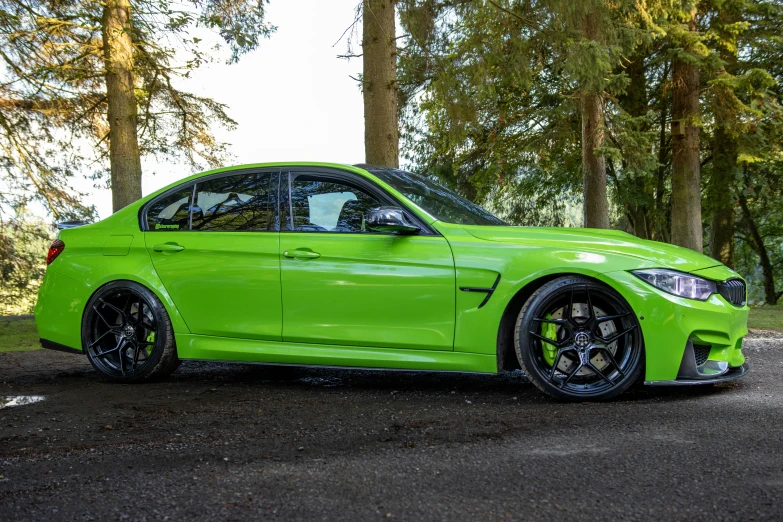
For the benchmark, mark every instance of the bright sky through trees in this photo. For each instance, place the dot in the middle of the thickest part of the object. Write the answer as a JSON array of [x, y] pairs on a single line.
[[292, 98]]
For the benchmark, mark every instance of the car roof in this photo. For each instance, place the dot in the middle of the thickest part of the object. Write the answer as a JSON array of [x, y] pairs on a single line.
[[358, 169]]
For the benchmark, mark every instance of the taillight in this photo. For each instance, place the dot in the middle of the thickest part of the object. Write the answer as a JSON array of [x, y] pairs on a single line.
[[54, 251]]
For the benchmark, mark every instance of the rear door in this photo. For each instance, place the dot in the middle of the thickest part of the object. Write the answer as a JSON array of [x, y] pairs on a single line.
[[219, 262], [343, 284]]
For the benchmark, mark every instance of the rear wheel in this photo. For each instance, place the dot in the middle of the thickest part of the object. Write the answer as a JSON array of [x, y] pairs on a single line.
[[127, 334], [577, 339]]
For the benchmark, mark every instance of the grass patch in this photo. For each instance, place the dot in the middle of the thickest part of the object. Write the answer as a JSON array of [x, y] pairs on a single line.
[[766, 317], [18, 334]]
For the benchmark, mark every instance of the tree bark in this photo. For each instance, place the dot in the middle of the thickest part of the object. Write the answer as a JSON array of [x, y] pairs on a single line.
[[638, 191], [686, 170], [721, 200], [661, 229], [724, 147], [757, 244], [596, 205], [124, 155], [379, 84]]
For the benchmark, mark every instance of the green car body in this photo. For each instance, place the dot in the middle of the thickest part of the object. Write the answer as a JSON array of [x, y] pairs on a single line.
[[432, 301]]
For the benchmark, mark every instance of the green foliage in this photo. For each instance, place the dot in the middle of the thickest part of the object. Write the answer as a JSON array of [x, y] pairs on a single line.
[[23, 246], [490, 103], [53, 98], [491, 96], [53, 107], [761, 187]]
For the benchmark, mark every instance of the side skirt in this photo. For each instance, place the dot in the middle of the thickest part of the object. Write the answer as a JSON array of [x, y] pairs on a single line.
[[51, 345], [208, 348]]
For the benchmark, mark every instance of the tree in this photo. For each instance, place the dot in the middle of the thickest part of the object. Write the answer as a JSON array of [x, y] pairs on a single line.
[[748, 101], [591, 19], [686, 216], [508, 99], [761, 222], [22, 240], [379, 83], [90, 81], [122, 112], [725, 150]]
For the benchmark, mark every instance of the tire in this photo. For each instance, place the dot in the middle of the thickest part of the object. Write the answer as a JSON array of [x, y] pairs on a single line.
[[578, 340], [127, 334]]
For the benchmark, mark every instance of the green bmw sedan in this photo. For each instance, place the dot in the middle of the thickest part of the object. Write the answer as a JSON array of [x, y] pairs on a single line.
[[369, 267]]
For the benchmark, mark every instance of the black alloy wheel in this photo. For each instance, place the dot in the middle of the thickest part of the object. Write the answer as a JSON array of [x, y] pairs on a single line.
[[577, 339], [127, 335]]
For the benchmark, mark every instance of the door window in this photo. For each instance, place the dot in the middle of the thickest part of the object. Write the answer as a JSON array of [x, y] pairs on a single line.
[[321, 204], [245, 202], [170, 212]]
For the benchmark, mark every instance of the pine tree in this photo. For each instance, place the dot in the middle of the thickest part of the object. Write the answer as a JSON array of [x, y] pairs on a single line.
[[686, 219], [379, 83], [95, 76]]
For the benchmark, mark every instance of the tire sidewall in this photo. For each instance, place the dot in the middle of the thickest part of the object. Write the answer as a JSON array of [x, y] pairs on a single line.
[[524, 350], [163, 337]]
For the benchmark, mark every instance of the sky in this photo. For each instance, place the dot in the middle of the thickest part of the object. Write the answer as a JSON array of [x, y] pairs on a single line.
[[292, 98]]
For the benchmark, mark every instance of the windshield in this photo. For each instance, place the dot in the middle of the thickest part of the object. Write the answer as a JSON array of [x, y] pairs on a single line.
[[438, 201]]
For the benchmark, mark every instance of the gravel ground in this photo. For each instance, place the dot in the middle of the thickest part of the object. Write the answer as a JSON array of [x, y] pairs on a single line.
[[244, 442]]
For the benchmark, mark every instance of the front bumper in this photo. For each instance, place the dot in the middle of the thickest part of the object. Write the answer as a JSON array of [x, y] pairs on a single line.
[[729, 375], [671, 325]]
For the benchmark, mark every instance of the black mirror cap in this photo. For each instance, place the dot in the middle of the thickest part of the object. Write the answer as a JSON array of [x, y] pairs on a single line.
[[390, 220]]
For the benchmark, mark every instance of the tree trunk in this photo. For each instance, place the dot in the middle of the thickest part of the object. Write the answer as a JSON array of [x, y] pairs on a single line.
[[686, 195], [122, 112], [638, 190], [596, 206], [379, 84], [721, 200], [724, 146], [757, 244], [661, 229]]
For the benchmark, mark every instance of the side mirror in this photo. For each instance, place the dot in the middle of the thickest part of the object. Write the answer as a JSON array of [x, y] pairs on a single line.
[[390, 220]]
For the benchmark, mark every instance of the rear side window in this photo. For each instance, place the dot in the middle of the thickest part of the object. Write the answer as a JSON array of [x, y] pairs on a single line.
[[170, 212], [245, 202]]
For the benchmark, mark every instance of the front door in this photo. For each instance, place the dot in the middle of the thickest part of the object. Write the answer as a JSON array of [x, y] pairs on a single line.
[[344, 285], [219, 262]]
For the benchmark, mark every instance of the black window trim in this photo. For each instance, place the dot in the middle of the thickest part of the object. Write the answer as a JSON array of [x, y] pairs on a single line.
[[357, 179], [144, 227]]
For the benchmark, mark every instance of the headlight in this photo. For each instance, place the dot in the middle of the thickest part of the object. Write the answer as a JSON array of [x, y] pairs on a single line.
[[678, 283]]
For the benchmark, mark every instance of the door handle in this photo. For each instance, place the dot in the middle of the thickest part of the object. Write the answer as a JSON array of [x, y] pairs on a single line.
[[300, 253], [168, 247]]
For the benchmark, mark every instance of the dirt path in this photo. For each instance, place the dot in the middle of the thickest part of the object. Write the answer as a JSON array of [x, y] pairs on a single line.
[[242, 442]]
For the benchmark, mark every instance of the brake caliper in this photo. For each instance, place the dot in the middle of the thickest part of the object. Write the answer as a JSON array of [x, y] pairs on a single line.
[[549, 330], [151, 339]]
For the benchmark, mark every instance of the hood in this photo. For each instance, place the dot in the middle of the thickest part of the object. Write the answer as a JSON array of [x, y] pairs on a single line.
[[659, 255]]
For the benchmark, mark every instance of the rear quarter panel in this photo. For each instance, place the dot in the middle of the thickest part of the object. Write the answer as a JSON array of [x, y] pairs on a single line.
[[94, 255]]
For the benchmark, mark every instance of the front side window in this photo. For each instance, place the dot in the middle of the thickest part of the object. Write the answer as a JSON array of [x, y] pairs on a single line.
[[170, 212], [323, 204], [241, 203], [438, 201]]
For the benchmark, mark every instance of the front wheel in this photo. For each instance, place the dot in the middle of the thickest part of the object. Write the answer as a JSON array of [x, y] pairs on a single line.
[[127, 334], [577, 339]]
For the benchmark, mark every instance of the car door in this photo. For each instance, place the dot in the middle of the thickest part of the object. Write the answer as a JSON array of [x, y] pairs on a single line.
[[214, 244], [345, 285]]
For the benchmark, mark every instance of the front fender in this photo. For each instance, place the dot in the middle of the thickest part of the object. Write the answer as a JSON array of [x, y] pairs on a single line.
[[478, 263]]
